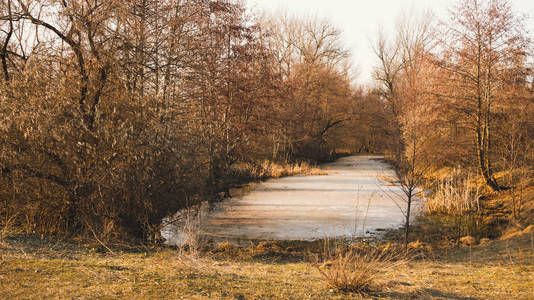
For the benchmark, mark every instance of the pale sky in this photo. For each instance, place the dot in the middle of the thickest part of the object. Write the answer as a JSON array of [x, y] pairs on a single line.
[[360, 20]]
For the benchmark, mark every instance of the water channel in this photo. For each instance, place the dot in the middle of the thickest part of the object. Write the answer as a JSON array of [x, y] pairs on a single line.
[[353, 200]]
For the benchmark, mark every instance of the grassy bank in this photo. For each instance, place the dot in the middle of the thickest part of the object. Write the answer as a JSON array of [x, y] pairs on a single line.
[[34, 268]]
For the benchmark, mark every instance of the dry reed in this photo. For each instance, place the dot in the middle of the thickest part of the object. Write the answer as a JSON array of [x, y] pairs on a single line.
[[454, 196], [269, 169]]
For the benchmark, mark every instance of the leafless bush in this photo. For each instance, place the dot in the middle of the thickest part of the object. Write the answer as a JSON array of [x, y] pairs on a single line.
[[103, 133]]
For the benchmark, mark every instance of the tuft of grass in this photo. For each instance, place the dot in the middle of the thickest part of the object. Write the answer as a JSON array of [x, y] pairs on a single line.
[[352, 270]]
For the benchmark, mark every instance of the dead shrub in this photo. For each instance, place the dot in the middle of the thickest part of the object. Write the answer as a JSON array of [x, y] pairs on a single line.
[[193, 239]]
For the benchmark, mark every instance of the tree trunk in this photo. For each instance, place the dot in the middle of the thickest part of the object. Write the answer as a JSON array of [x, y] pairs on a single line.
[[407, 224], [483, 159]]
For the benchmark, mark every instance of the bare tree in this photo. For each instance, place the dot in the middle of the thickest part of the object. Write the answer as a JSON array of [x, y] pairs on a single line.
[[404, 65], [482, 41], [313, 85]]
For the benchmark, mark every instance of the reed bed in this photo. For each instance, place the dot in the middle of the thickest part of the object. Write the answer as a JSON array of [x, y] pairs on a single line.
[[454, 195]]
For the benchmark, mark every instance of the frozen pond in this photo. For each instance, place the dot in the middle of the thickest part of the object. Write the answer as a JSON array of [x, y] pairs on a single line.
[[349, 202]]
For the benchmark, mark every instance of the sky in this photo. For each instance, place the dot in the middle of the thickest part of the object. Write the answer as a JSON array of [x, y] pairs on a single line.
[[360, 20]]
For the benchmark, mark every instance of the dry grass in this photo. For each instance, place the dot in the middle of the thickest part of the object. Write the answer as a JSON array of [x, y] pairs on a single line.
[[192, 238], [268, 169], [356, 271], [454, 196], [274, 170], [389, 180], [34, 269]]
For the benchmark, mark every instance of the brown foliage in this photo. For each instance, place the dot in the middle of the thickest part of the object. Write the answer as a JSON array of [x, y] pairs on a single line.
[[115, 114], [462, 90]]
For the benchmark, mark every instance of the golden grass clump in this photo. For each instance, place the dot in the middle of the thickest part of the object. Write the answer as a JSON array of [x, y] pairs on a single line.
[[269, 169], [274, 170], [358, 271]]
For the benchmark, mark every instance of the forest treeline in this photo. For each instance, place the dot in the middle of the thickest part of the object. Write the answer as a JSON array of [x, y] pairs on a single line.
[[461, 93], [461, 89], [115, 114]]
